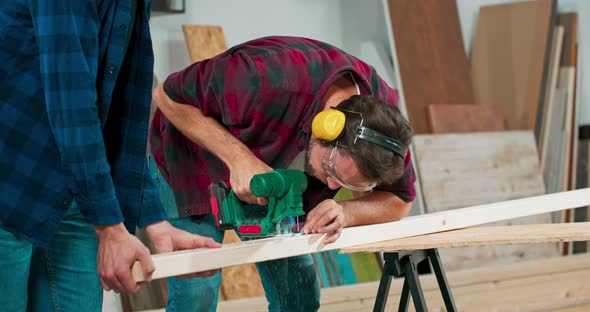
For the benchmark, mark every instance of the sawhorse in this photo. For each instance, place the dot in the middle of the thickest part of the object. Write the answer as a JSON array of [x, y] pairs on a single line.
[[403, 264]]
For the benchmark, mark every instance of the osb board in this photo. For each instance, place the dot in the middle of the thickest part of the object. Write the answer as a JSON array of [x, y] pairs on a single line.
[[508, 59], [461, 118], [458, 170], [431, 56], [204, 41]]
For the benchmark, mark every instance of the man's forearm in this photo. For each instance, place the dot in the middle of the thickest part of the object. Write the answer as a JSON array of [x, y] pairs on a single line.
[[202, 130], [377, 207]]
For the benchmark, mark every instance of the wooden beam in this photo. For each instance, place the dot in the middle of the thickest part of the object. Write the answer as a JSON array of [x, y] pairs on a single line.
[[188, 261], [484, 236]]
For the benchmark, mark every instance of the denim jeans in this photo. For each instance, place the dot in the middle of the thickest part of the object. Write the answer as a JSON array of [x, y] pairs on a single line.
[[60, 278], [290, 284]]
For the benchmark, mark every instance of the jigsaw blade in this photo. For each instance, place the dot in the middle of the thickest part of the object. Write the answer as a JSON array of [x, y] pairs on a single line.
[[288, 226]]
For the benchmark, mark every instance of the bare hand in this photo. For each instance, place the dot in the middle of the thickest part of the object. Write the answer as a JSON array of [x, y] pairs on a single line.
[[241, 174], [327, 217], [166, 238], [117, 252]]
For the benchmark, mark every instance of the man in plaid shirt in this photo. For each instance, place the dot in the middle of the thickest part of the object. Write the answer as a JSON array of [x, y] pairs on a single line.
[[250, 110], [75, 86]]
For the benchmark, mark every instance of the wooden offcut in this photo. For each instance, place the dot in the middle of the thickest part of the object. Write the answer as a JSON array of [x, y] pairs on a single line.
[[461, 118], [508, 59], [431, 56], [188, 261]]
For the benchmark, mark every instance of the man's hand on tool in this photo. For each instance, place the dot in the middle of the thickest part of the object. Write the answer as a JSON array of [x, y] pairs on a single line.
[[241, 172], [166, 238], [327, 217], [117, 251]]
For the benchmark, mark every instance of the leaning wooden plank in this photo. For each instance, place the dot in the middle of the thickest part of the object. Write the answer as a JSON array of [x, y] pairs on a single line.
[[508, 58], [183, 262], [550, 89], [430, 50], [484, 236]]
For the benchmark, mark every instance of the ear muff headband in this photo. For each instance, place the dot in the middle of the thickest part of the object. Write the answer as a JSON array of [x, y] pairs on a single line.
[[328, 125]]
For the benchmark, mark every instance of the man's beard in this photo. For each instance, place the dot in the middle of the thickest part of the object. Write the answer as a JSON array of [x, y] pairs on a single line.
[[308, 167]]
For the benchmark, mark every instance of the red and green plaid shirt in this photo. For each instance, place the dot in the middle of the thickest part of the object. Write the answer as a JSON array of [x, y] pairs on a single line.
[[265, 92]]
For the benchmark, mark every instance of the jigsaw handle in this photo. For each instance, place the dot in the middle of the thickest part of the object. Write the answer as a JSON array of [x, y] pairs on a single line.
[[278, 182]]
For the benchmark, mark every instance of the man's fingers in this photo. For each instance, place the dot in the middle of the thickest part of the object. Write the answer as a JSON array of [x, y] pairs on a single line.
[[333, 224], [147, 265], [104, 285], [207, 242], [330, 238], [126, 280]]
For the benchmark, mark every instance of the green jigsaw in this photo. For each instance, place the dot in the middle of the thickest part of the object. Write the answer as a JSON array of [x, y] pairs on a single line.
[[283, 188]]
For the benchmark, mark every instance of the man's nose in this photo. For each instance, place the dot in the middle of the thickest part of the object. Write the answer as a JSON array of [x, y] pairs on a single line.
[[332, 184]]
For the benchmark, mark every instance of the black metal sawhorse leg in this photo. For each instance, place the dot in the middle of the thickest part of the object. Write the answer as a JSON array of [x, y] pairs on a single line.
[[403, 264]]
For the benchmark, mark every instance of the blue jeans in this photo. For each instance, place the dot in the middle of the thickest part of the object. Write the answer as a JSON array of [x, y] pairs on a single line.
[[60, 278], [290, 284]]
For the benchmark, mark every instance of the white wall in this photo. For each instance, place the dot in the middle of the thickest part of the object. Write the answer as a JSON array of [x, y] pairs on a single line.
[[469, 11], [243, 21]]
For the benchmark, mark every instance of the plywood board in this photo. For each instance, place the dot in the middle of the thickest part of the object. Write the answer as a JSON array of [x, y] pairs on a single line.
[[458, 170], [484, 236], [461, 118], [430, 55], [183, 262], [508, 59], [203, 41]]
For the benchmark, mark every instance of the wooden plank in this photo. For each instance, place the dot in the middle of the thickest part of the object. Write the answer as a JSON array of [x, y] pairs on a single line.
[[550, 88], [461, 118], [183, 262], [508, 59], [431, 56], [569, 21], [484, 236], [553, 165], [204, 42]]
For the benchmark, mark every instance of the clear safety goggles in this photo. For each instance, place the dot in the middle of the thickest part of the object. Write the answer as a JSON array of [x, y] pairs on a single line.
[[328, 166]]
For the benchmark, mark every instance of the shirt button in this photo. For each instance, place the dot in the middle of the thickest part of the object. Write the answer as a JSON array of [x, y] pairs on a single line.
[[186, 210], [123, 26], [111, 69], [300, 148]]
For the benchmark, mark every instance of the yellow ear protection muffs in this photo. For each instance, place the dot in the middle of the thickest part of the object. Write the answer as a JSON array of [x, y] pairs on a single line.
[[328, 125]]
